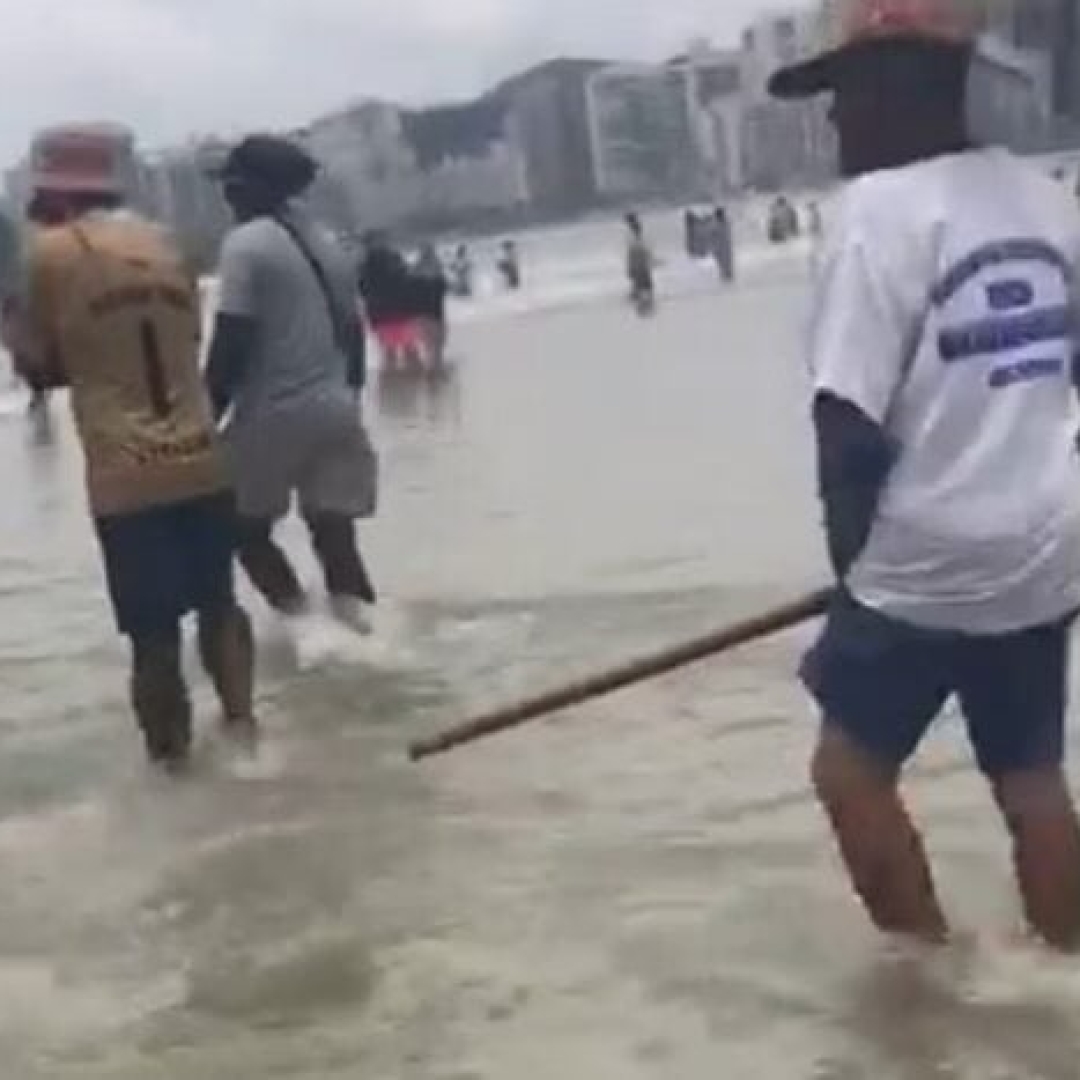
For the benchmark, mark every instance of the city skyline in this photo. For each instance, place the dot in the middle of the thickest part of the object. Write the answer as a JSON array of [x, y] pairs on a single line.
[[172, 69], [576, 132]]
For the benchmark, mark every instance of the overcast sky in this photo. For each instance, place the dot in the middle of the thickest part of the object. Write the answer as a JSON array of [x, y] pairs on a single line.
[[170, 68]]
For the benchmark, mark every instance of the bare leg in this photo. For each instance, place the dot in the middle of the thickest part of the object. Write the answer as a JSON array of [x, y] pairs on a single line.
[[1042, 821], [269, 568], [879, 843], [227, 650], [160, 699]]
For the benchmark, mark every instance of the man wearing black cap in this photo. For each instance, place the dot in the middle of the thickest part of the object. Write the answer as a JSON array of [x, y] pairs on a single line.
[[942, 359], [287, 361]]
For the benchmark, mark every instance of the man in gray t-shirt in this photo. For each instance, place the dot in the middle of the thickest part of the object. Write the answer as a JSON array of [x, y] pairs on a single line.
[[287, 366]]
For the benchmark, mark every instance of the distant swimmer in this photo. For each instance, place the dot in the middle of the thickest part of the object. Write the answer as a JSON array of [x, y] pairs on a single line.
[[783, 221], [110, 311], [287, 367], [942, 360], [694, 240], [640, 267], [722, 244], [10, 284], [462, 273], [510, 266]]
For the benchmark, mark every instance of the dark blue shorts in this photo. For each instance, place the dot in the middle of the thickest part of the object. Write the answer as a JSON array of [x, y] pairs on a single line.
[[164, 563], [884, 683]]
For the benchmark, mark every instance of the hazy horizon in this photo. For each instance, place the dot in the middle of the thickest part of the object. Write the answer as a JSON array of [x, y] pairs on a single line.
[[173, 69]]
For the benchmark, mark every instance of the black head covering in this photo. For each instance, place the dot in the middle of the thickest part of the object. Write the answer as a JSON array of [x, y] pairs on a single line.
[[271, 163]]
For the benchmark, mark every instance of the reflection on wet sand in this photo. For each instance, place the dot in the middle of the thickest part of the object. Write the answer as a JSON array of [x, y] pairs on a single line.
[[428, 396]]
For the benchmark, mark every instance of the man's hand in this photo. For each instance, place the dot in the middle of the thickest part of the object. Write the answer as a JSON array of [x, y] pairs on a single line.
[[231, 354]]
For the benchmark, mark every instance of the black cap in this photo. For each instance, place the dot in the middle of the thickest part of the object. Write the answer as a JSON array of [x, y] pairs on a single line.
[[271, 161]]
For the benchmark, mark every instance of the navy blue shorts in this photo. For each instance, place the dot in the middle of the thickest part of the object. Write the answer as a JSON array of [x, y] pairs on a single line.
[[164, 563], [884, 683]]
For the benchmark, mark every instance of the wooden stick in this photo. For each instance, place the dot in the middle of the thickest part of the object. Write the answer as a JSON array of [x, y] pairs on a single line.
[[638, 671]]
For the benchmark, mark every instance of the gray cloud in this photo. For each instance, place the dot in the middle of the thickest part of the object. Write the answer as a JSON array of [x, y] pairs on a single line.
[[171, 68]]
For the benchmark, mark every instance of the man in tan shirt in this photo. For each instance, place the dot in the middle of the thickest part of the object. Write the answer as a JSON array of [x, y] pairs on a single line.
[[109, 310]]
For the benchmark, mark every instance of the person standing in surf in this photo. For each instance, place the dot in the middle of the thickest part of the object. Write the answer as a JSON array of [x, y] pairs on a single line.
[[393, 298], [510, 265], [942, 356], [722, 245], [287, 366], [640, 266], [109, 310], [432, 293]]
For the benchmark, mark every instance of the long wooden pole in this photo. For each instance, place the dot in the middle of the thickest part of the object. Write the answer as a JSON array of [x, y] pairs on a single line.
[[638, 671]]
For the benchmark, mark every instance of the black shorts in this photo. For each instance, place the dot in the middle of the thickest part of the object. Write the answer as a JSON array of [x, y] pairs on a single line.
[[884, 683], [164, 563]]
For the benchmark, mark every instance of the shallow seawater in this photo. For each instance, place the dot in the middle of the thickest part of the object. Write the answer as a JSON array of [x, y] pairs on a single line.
[[641, 889]]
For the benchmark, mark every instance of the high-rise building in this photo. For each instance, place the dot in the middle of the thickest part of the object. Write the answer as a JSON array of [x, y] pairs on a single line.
[[469, 162], [370, 172], [786, 142], [642, 135], [1011, 95], [178, 190], [1051, 27], [714, 85], [549, 121]]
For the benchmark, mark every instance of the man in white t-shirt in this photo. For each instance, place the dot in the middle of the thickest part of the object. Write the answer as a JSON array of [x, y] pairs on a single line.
[[942, 357]]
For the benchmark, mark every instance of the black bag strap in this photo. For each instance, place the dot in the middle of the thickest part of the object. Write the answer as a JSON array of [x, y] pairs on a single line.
[[341, 334]]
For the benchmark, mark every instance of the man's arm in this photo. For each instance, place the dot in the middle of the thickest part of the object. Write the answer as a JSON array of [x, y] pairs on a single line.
[[231, 354], [235, 335], [854, 460], [356, 348], [867, 319]]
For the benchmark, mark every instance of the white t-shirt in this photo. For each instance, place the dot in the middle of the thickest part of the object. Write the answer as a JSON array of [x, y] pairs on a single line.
[[946, 311]]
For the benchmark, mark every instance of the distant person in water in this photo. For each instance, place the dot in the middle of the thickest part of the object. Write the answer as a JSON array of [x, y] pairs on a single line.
[[109, 310], [783, 221], [39, 214], [462, 273], [692, 234], [287, 368], [391, 293], [510, 266], [433, 288], [722, 243], [640, 266]]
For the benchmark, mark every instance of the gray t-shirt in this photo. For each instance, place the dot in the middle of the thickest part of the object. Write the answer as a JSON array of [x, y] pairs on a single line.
[[264, 276]]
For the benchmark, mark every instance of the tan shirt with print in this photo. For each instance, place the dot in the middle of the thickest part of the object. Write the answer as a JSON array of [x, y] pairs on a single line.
[[110, 310]]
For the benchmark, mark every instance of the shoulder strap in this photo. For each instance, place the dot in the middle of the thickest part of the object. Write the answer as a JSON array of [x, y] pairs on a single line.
[[340, 334]]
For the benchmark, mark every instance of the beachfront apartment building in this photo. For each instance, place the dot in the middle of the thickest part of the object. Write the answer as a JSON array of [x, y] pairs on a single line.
[[548, 121], [714, 82], [641, 131], [785, 143]]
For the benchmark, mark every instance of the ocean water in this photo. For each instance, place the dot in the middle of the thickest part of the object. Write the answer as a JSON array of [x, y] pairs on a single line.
[[641, 889]]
